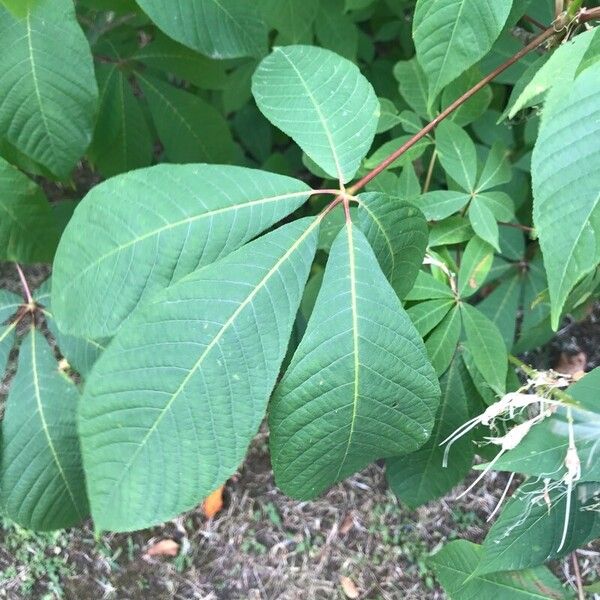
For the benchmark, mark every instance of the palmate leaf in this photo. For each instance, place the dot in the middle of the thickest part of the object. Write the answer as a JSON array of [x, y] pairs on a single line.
[[474, 267], [420, 476], [176, 398], [457, 154], [426, 315], [484, 223], [565, 172], [137, 233], [322, 102], [530, 528], [216, 28], [452, 35], [441, 344], [398, 234], [41, 477], [454, 567], [359, 386], [28, 228], [48, 92]]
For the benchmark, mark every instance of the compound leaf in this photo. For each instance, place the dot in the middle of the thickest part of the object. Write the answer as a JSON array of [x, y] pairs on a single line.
[[457, 154], [323, 102], [359, 386], [137, 233], [173, 403], [42, 485]]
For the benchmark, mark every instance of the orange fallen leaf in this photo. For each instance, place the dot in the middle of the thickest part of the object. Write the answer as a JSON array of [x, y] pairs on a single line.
[[214, 503], [349, 587], [163, 548], [347, 524]]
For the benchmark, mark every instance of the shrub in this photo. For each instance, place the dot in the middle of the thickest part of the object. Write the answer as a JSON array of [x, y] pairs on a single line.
[[361, 212]]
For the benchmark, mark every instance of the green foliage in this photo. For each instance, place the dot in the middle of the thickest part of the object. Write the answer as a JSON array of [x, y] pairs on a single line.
[[315, 213]]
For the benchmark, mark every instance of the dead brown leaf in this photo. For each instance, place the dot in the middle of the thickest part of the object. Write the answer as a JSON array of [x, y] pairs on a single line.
[[572, 364], [349, 587], [214, 503], [347, 524], [163, 548]]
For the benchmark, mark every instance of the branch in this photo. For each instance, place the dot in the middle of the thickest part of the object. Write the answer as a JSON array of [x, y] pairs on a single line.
[[556, 30]]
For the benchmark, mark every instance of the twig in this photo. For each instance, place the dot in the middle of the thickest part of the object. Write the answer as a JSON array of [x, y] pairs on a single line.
[[556, 30], [429, 172], [26, 291], [517, 226], [534, 22], [580, 592]]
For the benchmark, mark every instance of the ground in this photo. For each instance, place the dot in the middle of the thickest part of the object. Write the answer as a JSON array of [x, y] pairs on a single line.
[[264, 546]]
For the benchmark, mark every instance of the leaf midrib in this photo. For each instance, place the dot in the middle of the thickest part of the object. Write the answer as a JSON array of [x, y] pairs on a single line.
[[40, 410], [219, 334], [176, 224], [354, 313], [321, 117]]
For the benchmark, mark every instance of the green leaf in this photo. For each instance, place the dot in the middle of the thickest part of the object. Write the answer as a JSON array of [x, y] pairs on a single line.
[[500, 205], [398, 234], [474, 267], [359, 386], [216, 28], [566, 183], [440, 204], [426, 315], [388, 115], [19, 8], [501, 307], [292, 18], [441, 344], [42, 485], [452, 35], [408, 184], [28, 229], [7, 341], [420, 476], [454, 567], [487, 347], [322, 102], [122, 140], [412, 83], [453, 230], [9, 304], [185, 384], [166, 55], [137, 233], [530, 528], [81, 353], [427, 287], [391, 146], [335, 30], [190, 128], [473, 108], [543, 451], [48, 93], [484, 223], [496, 170], [457, 154], [558, 71]]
